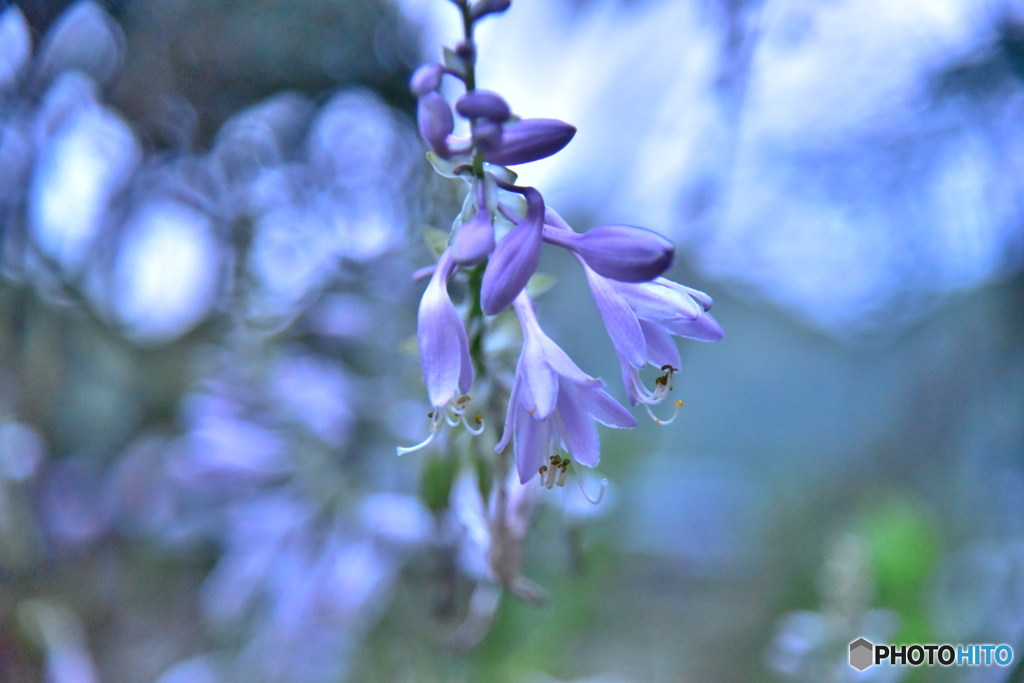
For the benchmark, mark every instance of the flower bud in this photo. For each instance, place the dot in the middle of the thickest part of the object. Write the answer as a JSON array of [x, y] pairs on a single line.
[[618, 252], [530, 140], [487, 135], [426, 79], [515, 258], [435, 122], [474, 240], [483, 104], [485, 7]]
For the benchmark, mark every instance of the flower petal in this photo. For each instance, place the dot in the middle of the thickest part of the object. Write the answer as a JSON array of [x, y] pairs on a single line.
[[427, 78], [661, 350], [515, 258], [704, 328], [579, 431], [600, 405], [619, 320], [532, 438], [442, 338], [657, 301]]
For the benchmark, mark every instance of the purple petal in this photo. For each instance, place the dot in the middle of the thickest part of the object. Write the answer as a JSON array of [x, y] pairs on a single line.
[[704, 328], [579, 430], [661, 350], [606, 410], [659, 300], [515, 258], [442, 338], [619, 320], [487, 135], [619, 252], [540, 383], [483, 104], [466, 365], [510, 414], [532, 438], [426, 79], [474, 239], [435, 122], [485, 7], [700, 297], [530, 140]]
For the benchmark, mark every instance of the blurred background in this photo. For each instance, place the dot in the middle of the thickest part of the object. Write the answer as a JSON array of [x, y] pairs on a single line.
[[209, 214]]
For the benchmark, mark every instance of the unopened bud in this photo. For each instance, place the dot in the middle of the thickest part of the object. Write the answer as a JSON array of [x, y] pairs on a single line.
[[618, 252], [485, 7], [483, 104], [487, 135], [426, 79], [435, 122], [530, 140]]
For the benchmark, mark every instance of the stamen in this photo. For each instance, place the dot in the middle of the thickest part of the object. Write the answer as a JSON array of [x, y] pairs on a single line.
[[658, 420], [475, 432], [562, 471], [402, 451], [600, 495]]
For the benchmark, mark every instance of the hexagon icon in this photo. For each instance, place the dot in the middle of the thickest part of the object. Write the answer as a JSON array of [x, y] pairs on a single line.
[[861, 652]]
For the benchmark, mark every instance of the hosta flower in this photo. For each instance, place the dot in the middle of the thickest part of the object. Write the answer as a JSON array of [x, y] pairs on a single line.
[[641, 318], [554, 405], [444, 355]]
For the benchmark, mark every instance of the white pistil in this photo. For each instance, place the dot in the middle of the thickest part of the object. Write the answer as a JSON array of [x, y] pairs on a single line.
[[454, 414]]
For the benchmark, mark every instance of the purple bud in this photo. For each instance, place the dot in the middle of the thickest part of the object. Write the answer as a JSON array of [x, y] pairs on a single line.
[[435, 122], [618, 252], [474, 240], [426, 79], [487, 135], [483, 104], [530, 140], [485, 7], [515, 258]]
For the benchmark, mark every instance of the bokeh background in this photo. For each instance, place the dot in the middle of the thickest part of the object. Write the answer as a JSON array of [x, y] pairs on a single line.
[[209, 214]]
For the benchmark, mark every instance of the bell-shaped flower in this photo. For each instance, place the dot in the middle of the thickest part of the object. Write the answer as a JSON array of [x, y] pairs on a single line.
[[620, 252], [554, 405], [641, 319], [435, 120], [530, 140], [516, 257], [483, 104], [444, 354]]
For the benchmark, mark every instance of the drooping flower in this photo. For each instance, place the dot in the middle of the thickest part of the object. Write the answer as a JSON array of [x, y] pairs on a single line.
[[554, 405], [641, 318], [444, 354]]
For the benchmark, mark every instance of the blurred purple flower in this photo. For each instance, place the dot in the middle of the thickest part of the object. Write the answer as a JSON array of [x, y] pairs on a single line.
[[530, 140], [554, 405]]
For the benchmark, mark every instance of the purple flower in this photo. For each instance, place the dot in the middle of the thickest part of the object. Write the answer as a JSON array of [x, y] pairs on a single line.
[[554, 405], [444, 353], [530, 140], [483, 104], [426, 79], [619, 252], [516, 257], [435, 122], [474, 239], [641, 319]]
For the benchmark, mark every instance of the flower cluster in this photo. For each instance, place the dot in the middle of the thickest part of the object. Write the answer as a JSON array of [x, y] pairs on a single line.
[[553, 405]]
